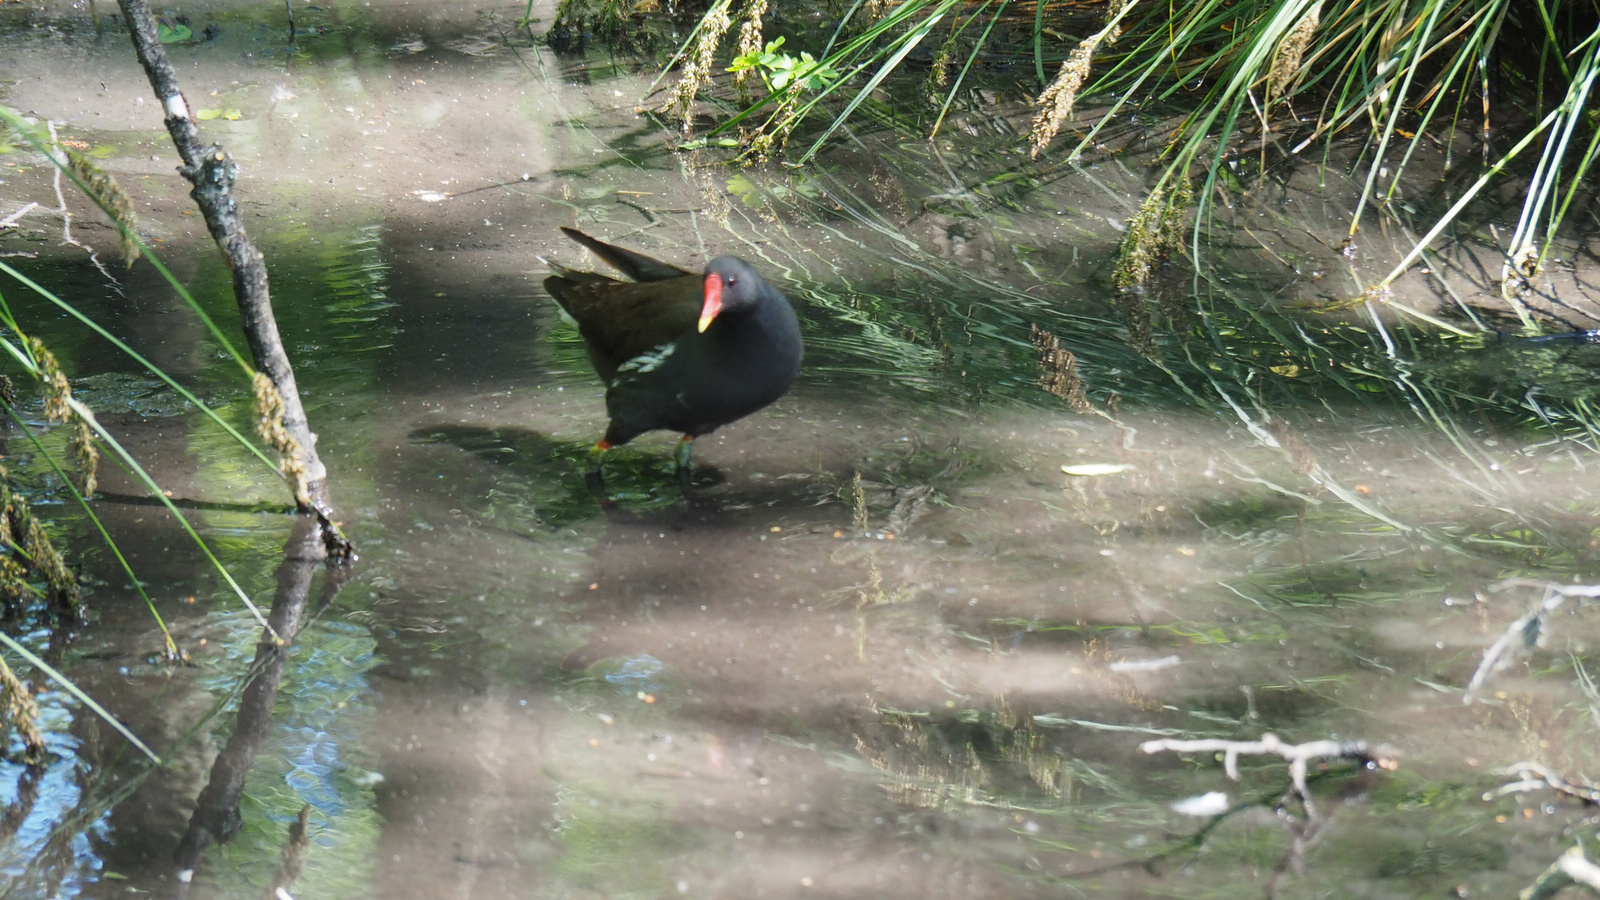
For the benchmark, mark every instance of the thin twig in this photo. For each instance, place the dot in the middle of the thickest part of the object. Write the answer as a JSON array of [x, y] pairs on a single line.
[[1534, 776], [66, 214], [12, 220], [1298, 755], [1527, 630], [1571, 868]]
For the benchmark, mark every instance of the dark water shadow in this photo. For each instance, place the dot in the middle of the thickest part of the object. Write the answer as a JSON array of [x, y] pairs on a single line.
[[558, 472]]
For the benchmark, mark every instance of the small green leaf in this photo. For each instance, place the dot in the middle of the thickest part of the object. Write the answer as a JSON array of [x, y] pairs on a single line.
[[781, 71], [173, 32], [702, 143]]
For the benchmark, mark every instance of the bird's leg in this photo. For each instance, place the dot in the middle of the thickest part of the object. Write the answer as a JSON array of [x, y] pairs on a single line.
[[682, 455], [595, 478], [684, 451]]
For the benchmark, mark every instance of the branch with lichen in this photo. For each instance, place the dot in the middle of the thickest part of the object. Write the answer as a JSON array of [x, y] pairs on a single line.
[[213, 173]]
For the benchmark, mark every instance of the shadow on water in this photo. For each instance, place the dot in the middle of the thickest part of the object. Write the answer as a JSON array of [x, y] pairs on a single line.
[[908, 629], [547, 480]]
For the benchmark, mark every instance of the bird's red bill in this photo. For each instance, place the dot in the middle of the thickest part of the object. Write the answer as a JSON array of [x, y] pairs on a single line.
[[713, 304]]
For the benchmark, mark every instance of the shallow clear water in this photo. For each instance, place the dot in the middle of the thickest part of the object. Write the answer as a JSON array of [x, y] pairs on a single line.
[[887, 646]]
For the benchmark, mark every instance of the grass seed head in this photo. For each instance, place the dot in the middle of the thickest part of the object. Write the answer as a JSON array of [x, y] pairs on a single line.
[[52, 381], [1154, 233], [1055, 104], [20, 712], [1286, 73], [1059, 373], [697, 71], [86, 457], [749, 42], [110, 196]]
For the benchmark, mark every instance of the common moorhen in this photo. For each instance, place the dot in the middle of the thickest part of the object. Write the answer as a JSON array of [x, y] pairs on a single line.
[[677, 350]]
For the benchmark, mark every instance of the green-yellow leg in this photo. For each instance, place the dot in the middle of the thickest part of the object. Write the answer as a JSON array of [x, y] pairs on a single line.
[[683, 452], [595, 478]]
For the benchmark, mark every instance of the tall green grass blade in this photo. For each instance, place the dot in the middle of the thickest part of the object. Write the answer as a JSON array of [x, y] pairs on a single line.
[[892, 22], [99, 526], [684, 47], [982, 39], [907, 44], [132, 354], [1529, 238], [87, 416], [30, 134], [845, 58], [844, 21], [1457, 72], [1396, 101], [67, 685], [1577, 184], [1038, 43], [155, 491], [1467, 197]]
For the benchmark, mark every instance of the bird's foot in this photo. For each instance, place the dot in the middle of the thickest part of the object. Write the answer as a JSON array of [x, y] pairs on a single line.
[[595, 478]]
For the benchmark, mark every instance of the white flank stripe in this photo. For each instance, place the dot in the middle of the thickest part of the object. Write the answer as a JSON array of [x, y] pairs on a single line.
[[649, 362]]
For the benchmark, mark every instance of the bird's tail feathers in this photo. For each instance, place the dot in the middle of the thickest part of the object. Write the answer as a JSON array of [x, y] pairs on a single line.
[[634, 265]]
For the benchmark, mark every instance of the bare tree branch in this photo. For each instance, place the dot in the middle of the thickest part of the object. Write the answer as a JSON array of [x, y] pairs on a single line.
[[212, 173]]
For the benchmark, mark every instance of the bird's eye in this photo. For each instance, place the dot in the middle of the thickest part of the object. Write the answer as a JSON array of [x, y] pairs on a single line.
[[732, 280]]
